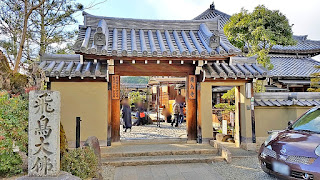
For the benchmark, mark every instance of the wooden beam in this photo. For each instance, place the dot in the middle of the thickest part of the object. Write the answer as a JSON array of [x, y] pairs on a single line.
[[235, 81], [128, 58], [115, 109], [191, 112], [153, 69], [78, 79]]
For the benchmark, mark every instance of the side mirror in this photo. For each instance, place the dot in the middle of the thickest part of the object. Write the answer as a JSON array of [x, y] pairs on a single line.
[[290, 122]]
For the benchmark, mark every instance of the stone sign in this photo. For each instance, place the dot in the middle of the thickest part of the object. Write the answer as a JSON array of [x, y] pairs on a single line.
[[224, 127], [44, 134]]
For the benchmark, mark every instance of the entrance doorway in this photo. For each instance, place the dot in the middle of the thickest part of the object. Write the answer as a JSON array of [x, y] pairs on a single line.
[[151, 100], [223, 113]]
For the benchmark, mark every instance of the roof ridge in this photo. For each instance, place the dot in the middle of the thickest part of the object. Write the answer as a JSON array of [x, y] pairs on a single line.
[[150, 20]]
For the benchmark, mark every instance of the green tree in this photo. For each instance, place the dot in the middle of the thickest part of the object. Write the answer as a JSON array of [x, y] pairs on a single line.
[[257, 32], [230, 94], [136, 96], [31, 27], [52, 23], [15, 28], [135, 79]]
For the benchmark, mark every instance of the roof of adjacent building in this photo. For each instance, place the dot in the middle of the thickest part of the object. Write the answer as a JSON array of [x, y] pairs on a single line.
[[167, 80], [273, 88], [134, 86], [212, 13], [293, 67], [152, 38], [238, 67], [287, 99], [304, 45], [57, 65]]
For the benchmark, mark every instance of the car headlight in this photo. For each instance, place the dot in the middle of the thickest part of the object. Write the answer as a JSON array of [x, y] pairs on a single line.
[[317, 151], [271, 138]]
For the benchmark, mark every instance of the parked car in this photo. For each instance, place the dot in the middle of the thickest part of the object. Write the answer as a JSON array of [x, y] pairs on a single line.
[[294, 153]]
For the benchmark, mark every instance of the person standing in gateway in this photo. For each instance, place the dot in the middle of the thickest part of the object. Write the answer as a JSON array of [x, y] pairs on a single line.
[[126, 114], [176, 112]]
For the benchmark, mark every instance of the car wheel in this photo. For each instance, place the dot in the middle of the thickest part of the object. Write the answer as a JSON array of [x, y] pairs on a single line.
[[264, 168]]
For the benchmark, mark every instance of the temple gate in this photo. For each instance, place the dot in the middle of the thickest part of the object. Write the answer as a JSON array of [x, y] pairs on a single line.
[[108, 48]]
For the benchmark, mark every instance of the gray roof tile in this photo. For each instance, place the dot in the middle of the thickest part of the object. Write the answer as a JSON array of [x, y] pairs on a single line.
[[224, 70], [139, 37], [293, 67], [287, 99], [57, 66]]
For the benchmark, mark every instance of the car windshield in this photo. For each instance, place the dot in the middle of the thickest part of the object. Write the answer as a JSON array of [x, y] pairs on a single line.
[[308, 122]]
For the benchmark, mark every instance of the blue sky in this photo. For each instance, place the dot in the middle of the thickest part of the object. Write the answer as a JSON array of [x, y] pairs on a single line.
[[303, 14]]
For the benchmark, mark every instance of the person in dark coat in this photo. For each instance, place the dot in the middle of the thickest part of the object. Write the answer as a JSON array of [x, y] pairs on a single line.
[[182, 105], [140, 114], [126, 115]]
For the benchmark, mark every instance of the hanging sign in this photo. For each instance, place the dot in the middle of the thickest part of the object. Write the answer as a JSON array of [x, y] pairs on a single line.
[[115, 87], [192, 87]]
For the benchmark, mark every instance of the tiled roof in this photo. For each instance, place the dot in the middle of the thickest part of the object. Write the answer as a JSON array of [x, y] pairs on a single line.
[[70, 66], [287, 99], [293, 67], [212, 13], [304, 45], [234, 70], [152, 38], [273, 88]]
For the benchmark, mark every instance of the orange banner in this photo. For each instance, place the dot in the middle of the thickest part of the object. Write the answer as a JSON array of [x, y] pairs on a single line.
[[192, 87], [115, 87]]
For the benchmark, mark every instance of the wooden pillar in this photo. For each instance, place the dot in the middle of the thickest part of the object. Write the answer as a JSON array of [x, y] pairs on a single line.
[[199, 122], [109, 115], [191, 107], [237, 115], [115, 108], [245, 121], [206, 111]]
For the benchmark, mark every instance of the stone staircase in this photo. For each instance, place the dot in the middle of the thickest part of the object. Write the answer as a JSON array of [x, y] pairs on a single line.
[[154, 154]]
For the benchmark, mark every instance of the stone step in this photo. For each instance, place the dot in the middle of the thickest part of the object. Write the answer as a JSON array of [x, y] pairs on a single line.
[[138, 141], [156, 160], [212, 151]]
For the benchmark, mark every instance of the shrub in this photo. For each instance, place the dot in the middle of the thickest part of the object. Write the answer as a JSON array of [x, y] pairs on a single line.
[[14, 119], [80, 162], [10, 162], [13, 131], [63, 141]]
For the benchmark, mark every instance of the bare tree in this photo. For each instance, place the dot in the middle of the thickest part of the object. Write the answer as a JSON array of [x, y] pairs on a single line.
[[29, 7]]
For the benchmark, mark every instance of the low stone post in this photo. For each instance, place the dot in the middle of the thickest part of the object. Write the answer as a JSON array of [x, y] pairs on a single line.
[[44, 137]]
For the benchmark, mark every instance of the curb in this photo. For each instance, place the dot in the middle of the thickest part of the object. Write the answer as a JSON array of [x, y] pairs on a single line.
[[222, 150]]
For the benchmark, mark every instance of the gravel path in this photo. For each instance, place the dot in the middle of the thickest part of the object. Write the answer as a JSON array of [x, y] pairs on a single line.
[[241, 169], [152, 131]]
